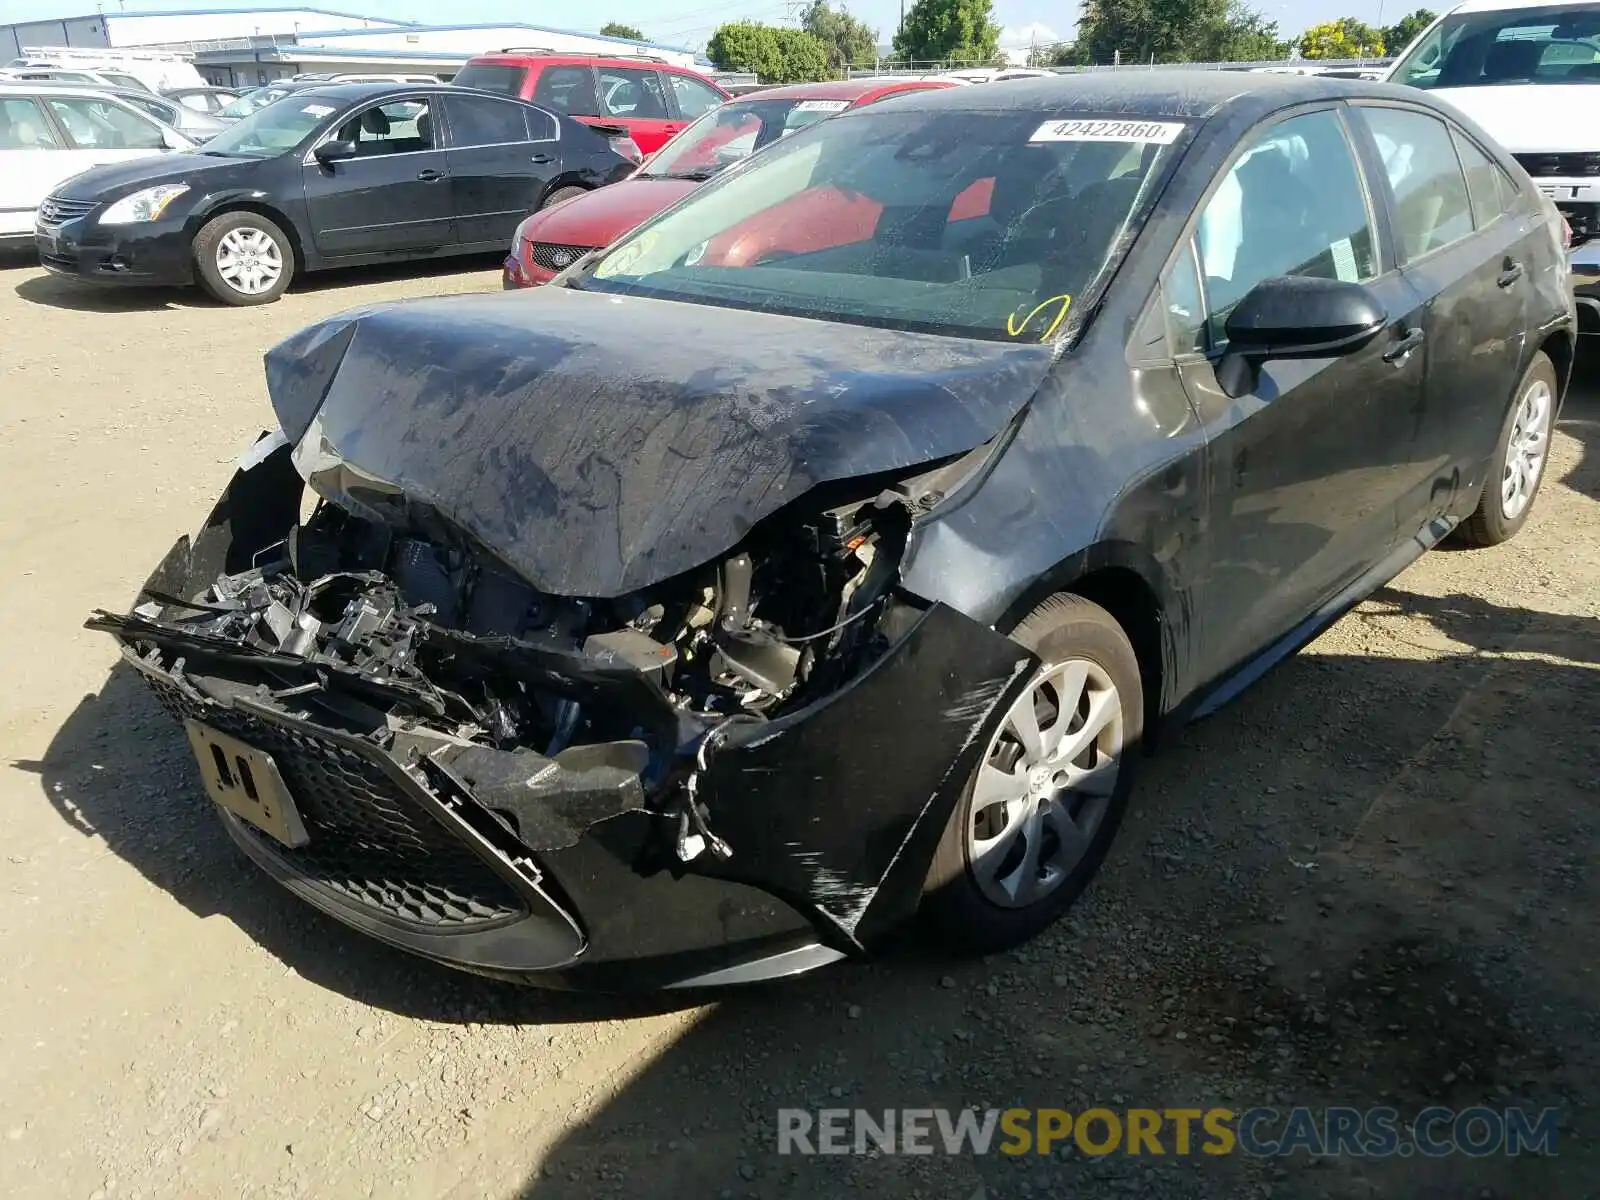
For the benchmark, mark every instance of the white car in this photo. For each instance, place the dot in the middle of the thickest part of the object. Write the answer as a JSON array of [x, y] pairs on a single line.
[[1529, 73], [48, 134]]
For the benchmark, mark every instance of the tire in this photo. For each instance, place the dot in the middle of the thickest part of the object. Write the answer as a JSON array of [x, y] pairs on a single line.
[[967, 902], [261, 247], [561, 195], [1529, 423]]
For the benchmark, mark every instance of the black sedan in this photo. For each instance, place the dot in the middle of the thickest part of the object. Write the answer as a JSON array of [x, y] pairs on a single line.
[[328, 176], [714, 611]]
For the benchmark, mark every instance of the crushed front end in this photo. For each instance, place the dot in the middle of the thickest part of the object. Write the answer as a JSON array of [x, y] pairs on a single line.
[[736, 773]]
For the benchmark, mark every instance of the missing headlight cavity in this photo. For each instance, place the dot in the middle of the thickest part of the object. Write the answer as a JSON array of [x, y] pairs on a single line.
[[380, 619]]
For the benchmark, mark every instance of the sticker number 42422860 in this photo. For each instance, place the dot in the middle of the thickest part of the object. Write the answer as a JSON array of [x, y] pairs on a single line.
[[1162, 133]]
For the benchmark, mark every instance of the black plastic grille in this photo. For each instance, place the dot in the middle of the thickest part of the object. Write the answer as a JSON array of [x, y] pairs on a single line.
[[59, 261], [1577, 165], [553, 257], [54, 210], [370, 842]]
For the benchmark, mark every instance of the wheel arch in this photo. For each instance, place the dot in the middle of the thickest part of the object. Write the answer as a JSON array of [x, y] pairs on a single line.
[[1560, 346], [1125, 581], [261, 207], [567, 179]]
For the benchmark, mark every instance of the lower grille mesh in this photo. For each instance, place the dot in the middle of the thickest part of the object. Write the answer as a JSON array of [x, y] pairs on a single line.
[[370, 842]]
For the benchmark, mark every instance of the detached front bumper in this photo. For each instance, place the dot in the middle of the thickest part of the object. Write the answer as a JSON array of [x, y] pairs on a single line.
[[832, 812], [153, 253]]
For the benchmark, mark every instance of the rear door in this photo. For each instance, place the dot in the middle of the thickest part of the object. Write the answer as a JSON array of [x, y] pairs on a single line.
[[394, 196], [1305, 471], [1470, 263], [502, 157], [635, 98]]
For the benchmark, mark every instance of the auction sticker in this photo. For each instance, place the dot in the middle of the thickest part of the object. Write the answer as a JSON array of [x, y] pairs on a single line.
[[822, 106], [1161, 133]]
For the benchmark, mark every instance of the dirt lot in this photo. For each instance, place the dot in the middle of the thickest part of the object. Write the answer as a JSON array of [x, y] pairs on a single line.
[[1371, 881]]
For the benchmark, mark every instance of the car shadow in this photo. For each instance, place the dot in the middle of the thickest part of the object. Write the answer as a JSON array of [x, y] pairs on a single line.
[[56, 291], [1343, 932], [1580, 417]]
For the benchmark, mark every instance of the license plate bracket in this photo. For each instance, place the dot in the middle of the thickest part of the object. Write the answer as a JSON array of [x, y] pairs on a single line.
[[247, 783]]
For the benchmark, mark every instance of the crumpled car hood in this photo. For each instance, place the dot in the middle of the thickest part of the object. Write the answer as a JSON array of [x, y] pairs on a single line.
[[598, 443]]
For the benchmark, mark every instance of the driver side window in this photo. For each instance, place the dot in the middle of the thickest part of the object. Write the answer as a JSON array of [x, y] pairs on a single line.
[[399, 127], [1291, 204], [101, 125]]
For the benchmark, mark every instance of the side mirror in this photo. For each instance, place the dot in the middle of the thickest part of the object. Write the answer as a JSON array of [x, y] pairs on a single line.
[[1295, 317], [335, 151]]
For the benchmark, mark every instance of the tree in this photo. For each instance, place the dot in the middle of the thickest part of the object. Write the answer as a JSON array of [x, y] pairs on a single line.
[[1174, 31], [1400, 35], [1243, 35], [775, 55], [850, 42], [801, 57], [1344, 38], [617, 29], [955, 31]]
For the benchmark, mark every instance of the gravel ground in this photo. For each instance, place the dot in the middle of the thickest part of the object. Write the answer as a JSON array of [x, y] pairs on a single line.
[[1368, 882]]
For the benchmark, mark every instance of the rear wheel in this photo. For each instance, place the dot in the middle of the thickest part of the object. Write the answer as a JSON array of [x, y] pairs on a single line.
[[243, 258], [1517, 467], [1038, 815], [560, 196]]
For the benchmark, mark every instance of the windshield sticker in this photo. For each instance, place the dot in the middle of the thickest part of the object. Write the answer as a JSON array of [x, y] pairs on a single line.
[[1344, 261], [1160, 133], [1017, 328], [822, 106], [317, 110]]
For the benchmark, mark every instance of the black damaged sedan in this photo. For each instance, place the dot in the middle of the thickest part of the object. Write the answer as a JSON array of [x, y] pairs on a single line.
[[765, 584]]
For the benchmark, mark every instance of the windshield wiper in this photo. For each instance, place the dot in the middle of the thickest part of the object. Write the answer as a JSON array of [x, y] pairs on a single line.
[[699, 176]]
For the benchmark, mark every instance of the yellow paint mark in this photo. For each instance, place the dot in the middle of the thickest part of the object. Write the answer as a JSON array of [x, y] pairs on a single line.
[[1015, 328]]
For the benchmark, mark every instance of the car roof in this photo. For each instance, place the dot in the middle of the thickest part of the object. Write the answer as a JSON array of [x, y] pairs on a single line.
[[835, 89], [42, 87], [1156, 93], [1475, 6], [522, 58]]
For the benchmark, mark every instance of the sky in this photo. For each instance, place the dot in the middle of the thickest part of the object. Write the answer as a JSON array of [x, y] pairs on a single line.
[[690, 22]]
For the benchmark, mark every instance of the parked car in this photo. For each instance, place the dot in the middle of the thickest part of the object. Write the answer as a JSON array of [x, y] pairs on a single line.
[[96, 79], [259, 98], [650, 99], [561, 233], [363, 77], [1528, 72], [49, 132], [196, 126], [337, 175], [155, 70], [208, 100], [678, 624]]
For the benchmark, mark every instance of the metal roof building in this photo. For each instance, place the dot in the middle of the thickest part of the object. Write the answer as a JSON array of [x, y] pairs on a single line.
[[240, 46]]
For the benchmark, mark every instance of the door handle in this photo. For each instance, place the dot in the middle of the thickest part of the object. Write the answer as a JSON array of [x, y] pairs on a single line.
[[1409, 341], [430, 175], [541, 158], [1511, 272]]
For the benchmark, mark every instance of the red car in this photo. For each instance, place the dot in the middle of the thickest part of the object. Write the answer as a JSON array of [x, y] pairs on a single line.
[[650, 98], [557, 236]]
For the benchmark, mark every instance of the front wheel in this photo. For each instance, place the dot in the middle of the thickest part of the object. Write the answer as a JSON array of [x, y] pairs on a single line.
[[1043, 806], [561, 196], [243, 258], [1517, 468]]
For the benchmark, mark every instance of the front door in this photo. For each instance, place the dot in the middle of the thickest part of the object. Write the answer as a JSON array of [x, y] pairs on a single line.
[[502, 157], [633, 98], [1307, 469], [394, 196], [1468, 259]]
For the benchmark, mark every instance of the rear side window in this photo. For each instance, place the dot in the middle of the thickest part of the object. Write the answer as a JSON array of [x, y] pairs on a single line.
[[1483, 181], [567, 90], [23, 126], [1432, 208], [475, 121], [101, 125], [399, 127], [632, 94], [694, 98], [492, 77], [1291, 204]]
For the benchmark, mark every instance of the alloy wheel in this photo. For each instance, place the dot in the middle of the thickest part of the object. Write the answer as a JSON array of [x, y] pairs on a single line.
[[249, 260], [1526, 449], [1045, 784]]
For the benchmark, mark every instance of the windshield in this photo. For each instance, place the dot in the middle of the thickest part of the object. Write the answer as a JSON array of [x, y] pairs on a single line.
[[985, 224], [1560, 44], [733, 132], [255, 100], [492, 77], [274, 129]]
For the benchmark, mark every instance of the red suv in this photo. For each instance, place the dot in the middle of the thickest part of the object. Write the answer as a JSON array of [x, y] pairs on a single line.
[[650, 98]]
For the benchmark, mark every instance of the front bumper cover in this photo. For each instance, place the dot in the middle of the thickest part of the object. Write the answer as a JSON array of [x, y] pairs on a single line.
[[832, 812], [153, 253]]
